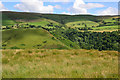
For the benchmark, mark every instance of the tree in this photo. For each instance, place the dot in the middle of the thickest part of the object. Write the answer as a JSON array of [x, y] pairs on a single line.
[[32, 26], [85, 25], [39, 26], [113, 18]]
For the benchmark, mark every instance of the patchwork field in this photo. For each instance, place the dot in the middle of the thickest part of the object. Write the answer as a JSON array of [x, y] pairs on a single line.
[[82, 24], [106, 28]]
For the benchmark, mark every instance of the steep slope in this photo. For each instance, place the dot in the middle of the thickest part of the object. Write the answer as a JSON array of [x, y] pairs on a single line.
[[30, 39]]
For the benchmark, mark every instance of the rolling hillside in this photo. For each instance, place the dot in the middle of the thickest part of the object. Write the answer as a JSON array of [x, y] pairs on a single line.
[[21, 31], [12, 18], [24, 16], [30, 39]]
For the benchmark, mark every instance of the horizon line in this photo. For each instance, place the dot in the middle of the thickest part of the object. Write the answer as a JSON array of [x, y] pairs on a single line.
[[60, 14]]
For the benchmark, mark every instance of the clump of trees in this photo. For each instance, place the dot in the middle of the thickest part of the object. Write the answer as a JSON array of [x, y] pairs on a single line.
[[94, 40], [89, 40], [85, 28]]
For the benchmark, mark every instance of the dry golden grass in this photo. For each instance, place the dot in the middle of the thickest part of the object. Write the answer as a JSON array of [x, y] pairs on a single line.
[[53, 63], [104, 30]]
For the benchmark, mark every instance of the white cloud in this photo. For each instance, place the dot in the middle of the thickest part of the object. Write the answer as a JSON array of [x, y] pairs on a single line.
[[76, 9], [64, 0], [2, 7], [34, 6], [60, 0], [80, 7], [108, 11], [66, 13], [58, 7], [91, 5]]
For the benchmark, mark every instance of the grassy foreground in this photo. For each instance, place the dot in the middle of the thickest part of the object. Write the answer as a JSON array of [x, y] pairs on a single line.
[[53, 63]]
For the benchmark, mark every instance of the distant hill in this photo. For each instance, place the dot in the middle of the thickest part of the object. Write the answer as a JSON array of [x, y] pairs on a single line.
[[23, 30], [15, 17]]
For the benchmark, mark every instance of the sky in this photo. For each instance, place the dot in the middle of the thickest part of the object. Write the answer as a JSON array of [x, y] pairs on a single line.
[[70, 7]]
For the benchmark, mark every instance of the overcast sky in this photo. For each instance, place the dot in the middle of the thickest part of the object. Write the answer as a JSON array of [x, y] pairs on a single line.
[[71, 7]]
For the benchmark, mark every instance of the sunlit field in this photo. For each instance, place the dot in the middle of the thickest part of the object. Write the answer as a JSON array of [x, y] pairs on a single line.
[[53, 63]]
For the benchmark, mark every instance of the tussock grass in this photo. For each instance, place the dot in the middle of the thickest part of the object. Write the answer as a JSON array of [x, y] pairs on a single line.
[[53, 63]]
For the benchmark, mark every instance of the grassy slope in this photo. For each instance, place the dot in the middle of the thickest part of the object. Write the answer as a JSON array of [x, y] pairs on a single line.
[[7, 21], [106, 27], [19, 16], [88, 23], [43, 19], [43, 22], [59, 64], [68, 18], [36, 19], [30, 38]]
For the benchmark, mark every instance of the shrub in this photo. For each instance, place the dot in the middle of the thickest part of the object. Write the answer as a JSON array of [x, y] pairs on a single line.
[[42, 51], [71, 45], [22, 44], [29, 51], [39, 45], [44, 41], [14, 47], [54, 53], [36, 51], [18, 52], [4, 45], [75, 53], [53, 38]]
